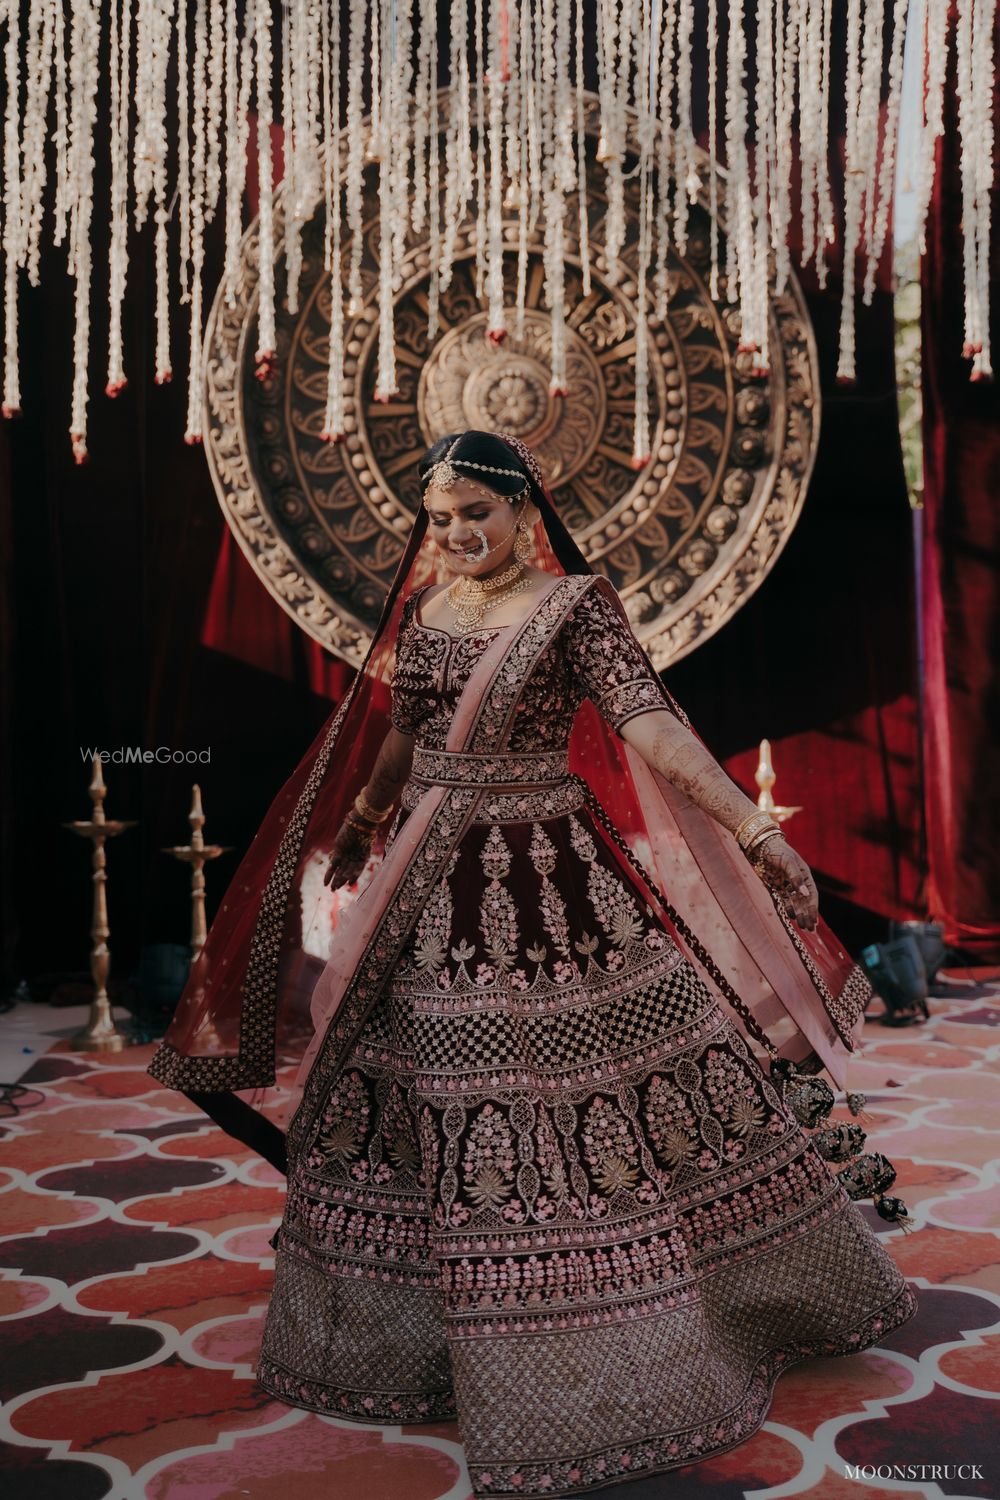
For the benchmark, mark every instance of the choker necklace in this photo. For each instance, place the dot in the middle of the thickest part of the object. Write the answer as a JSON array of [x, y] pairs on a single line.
[[470, 598]]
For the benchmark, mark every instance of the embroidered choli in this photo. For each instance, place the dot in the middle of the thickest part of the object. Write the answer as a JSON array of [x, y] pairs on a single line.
[[595, 655]]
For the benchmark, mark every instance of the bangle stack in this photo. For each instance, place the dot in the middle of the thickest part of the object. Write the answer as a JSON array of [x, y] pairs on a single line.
[[756, 830], [364, 817]]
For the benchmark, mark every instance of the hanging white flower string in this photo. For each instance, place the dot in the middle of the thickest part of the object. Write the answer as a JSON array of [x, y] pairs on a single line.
[[583, 227], [982, 112], [757, 334], [826, 228], [433, 188], [183, 192], [61, 135], [937, 15], [266, 354], [481, 188], [386, 388], [853, 189], [974, 80], [528, 160], [10, 207], [84, 42], [290, 128], [193, 433], [665, 157], [864, 62], [425, 36], [401, 24], [510, 23], [213, 108], [713, 172], [562, 182], [354, 191], [458, 159], [238, 73], [786, 34], [645, 128], [373, 151], [887, 165], [553, 198], [38, 71], [496, 325], [741, 233], [686, 186], [335, 418], [159, 39], [808, 21], [121, 51]]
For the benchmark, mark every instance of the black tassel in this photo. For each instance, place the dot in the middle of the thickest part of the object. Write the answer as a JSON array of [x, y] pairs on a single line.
[[868, 1177], [894, 1210], [839, 1143], [810, 1100]]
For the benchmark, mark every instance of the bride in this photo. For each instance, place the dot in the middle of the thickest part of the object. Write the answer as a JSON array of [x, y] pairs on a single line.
[[551, 1069]]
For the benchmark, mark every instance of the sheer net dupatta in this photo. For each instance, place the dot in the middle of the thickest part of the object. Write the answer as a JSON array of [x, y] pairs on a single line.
[[242, 1021], [793, 993]]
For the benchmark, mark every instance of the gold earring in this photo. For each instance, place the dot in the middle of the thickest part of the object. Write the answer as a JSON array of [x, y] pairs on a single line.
[[522, 543]]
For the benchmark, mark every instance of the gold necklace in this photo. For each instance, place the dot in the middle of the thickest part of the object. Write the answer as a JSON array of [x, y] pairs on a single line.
[[470, 598]]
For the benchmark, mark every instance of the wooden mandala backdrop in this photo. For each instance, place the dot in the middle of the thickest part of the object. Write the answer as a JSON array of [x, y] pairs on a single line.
[[686, 541]]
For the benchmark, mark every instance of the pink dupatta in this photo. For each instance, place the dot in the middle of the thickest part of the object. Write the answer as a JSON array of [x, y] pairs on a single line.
[[361, 919]]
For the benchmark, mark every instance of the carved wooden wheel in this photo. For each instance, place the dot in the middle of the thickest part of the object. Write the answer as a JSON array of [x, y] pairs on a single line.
[[686, 540]]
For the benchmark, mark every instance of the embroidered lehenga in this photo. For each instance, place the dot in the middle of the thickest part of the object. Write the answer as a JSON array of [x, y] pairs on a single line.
[[538, 1177]]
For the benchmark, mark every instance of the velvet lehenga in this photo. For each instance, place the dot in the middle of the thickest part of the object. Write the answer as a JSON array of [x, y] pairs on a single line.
[[544, 1185]]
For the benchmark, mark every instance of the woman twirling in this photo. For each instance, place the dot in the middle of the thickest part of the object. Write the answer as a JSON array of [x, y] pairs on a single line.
[[546, 1165]]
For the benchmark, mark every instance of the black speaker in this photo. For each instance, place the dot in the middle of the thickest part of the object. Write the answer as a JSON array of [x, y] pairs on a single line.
[[930, 941], [897, 973]]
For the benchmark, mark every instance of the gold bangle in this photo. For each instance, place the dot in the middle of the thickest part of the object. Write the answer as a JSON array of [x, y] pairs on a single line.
[[738, 831], [360, 825], [757, 823], [364, 809], [762, 838]]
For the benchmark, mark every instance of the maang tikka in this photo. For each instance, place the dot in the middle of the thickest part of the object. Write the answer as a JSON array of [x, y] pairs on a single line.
[[443, 474]]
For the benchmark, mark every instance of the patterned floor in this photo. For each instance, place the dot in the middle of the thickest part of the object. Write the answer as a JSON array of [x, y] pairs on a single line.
[[135, 1267]]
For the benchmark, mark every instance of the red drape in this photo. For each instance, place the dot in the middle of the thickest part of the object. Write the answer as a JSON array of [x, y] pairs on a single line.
[[242, 620], [960, 579]]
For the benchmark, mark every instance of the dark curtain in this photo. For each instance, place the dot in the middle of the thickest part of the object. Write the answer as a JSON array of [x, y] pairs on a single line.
[[960, 579], [131, 620], [108, 572]]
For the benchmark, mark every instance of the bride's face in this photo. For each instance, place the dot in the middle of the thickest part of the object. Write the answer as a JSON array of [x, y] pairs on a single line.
[[457, 514]]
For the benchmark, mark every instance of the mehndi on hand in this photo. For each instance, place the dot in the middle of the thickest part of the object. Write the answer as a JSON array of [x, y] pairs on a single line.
[[350, 853], [790, 878]]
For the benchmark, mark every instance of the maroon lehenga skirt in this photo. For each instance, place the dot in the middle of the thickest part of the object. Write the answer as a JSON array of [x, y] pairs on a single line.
[[552, 1193]]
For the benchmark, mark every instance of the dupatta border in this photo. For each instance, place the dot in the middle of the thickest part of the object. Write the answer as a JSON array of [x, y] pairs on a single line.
[[491, 723], [254, 1063]]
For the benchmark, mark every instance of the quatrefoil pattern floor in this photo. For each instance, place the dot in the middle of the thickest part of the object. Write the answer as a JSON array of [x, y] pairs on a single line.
[[135, 1268]]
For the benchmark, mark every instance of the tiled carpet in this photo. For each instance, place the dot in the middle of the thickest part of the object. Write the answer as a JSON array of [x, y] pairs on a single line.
[[135, 1268]]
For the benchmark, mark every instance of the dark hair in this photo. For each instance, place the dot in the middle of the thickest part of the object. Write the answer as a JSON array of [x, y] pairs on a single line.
[[475, 447]]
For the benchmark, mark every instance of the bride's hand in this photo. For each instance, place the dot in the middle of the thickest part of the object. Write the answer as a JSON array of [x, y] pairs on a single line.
[[790, 878], [349, 855]]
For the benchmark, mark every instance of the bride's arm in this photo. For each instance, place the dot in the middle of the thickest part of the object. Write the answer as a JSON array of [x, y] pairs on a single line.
[[392, 767], [353, 843], [673, 750]]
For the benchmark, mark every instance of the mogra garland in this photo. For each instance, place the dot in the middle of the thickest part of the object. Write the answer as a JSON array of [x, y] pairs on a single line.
[[513, 144]]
